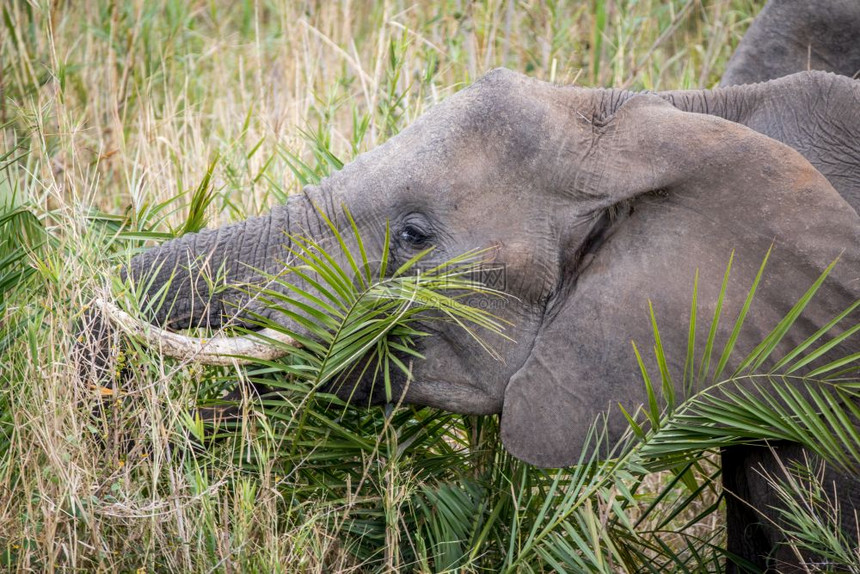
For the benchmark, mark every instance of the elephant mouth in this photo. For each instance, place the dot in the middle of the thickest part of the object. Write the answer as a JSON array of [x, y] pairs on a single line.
[[358, 385], [362, 384]]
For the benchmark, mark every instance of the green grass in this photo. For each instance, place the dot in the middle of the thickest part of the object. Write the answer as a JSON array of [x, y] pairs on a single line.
[[124, 125]]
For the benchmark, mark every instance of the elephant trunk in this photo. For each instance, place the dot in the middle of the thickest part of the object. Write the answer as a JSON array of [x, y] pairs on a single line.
[[209, 278]]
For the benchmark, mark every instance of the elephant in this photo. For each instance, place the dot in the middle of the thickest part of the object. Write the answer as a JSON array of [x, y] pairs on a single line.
[[788, 36], [791, 36], [785, 109], [596, 201]]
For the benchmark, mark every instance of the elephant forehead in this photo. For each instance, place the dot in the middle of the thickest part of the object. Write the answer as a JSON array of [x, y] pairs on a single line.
[[467, 170], [500, 118]]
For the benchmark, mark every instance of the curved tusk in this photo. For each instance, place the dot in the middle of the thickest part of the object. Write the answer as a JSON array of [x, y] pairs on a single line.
[[220, 350]]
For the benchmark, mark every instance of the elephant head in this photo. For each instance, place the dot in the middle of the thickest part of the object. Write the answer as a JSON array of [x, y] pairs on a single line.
[[594, 201]]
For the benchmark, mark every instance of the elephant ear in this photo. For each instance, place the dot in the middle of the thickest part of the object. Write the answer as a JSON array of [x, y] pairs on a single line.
[[696, 188]]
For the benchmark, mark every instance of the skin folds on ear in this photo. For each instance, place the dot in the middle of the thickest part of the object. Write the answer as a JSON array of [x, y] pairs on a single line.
[[815, 113], [722, 187]]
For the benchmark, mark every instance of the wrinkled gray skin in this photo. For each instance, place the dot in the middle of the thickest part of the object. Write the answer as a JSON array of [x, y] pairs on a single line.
[[833, 149], [791, 36], [816, 113], [596, 201]]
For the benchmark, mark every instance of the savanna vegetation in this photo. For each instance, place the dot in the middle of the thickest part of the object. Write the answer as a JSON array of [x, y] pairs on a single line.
[[125, 124]]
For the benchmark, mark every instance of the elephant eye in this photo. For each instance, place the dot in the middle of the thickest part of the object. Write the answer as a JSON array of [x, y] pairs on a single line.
[[413, 237]]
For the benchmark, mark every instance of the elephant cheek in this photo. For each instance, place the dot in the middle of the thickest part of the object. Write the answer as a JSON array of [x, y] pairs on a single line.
[[526, 270]]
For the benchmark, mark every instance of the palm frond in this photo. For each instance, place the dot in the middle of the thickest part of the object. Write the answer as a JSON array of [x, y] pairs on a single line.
[[412, 487], [757, 403]]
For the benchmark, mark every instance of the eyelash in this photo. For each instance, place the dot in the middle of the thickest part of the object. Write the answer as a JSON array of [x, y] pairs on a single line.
[[413, 237]]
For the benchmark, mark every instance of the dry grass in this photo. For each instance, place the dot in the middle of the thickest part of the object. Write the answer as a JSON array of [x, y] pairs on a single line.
[[118, 108]]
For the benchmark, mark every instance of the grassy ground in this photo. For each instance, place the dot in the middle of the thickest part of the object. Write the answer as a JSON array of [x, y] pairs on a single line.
[[112, 115]]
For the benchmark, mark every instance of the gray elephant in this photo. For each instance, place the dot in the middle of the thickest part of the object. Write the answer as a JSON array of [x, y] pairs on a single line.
[[595, 201], [791, 36]]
